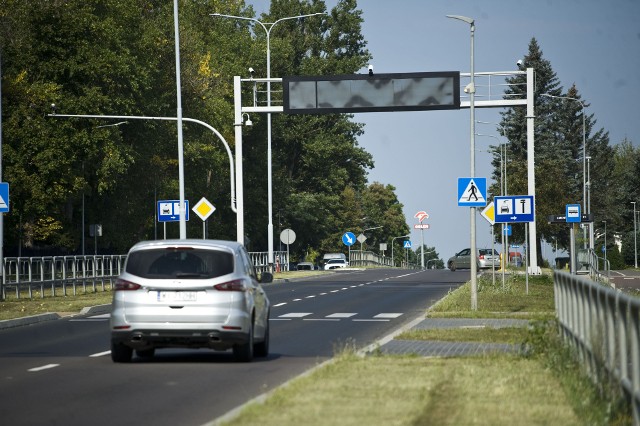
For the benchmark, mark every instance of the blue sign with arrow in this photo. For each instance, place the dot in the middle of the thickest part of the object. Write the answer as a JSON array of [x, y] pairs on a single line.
[[513, 209], [348, 238], [169, 210]]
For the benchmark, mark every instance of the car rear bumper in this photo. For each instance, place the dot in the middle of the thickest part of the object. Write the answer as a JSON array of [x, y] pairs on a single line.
[[150, 338]]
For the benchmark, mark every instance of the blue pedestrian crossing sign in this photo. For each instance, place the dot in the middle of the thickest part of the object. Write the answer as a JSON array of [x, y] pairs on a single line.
[[348, 238], [472, 192], [169, 210], [4, 197], [407, 244]]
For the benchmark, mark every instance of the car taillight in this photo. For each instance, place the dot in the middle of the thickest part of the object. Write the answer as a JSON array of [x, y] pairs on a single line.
[[235, 285], [481, 256], [123, 285]]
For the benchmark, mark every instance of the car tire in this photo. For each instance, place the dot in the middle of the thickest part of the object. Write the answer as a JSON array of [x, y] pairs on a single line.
[[452, 266], [146, 353], [261, 349], [244, 352], [120, 352]]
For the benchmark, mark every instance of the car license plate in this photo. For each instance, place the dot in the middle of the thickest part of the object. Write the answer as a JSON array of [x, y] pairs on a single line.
[[177, 296]]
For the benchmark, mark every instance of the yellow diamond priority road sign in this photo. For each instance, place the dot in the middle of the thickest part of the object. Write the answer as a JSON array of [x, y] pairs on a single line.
[[203, 208], [489, 213]]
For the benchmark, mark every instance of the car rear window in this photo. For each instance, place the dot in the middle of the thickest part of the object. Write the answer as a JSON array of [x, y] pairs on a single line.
[[180, 263], [486, 251]]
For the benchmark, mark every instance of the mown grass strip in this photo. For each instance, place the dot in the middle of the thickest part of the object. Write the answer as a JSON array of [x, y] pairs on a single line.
[[405, 390]]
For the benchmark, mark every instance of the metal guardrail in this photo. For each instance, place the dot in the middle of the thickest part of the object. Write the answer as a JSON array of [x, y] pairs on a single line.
[[603, 325], [31, 276], [260, 261], [366, 258], [59, 273]]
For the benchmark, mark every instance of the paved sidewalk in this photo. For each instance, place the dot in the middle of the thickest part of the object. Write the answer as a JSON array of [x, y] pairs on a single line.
[[429, 348]]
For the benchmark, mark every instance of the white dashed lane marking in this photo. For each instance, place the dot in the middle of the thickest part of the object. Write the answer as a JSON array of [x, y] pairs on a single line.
[[337, 316], [44, 367], [342, 315]]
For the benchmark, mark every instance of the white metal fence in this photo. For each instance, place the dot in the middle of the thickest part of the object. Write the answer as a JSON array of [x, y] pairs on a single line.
[[60, 274], [45, 276], [603, 325]]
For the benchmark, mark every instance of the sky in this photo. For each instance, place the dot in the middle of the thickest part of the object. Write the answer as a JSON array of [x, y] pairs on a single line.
[[590, 43]]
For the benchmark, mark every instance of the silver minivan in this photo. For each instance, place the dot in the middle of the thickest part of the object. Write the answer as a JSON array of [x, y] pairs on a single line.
[[190, 294]]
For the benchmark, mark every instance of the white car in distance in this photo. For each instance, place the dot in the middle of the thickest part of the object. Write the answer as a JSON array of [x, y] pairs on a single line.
[[335, 264]]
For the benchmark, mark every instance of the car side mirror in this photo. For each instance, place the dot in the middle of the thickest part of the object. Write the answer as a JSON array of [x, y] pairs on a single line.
[[266, 277]]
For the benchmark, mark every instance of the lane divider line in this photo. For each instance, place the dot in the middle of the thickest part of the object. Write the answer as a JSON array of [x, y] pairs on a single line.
[[44, 367]]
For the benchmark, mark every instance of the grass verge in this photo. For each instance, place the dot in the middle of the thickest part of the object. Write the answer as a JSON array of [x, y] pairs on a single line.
[[406, 390], [13, 307]]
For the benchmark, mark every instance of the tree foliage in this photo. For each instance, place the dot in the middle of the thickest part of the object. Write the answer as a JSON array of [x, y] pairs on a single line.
[[573, 159], [117, 57]]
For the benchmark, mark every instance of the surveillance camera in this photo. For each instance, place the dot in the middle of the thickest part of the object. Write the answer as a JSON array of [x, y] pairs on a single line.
[[53, 108], [520, 63], [370, 69], [251, 70]]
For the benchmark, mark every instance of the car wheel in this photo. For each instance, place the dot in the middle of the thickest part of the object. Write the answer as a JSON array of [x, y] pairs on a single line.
[[146, 353], [261, 349], [244, 352], [452, 266], [120, 352]]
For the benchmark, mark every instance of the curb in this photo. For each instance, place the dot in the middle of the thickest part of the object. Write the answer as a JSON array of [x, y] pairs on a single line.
[[19, 322], [51, 316]]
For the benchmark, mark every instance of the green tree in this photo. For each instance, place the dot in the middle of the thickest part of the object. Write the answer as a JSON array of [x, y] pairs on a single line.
[[558, 149], [118, 58]]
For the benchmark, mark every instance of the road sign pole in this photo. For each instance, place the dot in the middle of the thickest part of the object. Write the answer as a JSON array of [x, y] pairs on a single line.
[[422, 248]]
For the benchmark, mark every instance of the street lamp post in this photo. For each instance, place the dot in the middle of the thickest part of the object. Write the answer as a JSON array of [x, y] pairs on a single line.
[[635, 242], [236, 201], [471, 90], [267, 27], [182, 206], [392, 240], [605, 243], [584, 161]]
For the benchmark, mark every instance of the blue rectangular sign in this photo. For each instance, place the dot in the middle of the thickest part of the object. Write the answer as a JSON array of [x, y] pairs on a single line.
[[573, 213], [169, 210], [515, 208], [4, 197]]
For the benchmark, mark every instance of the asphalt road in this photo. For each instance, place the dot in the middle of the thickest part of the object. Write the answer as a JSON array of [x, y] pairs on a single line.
[[627, 280], [60, 372]]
